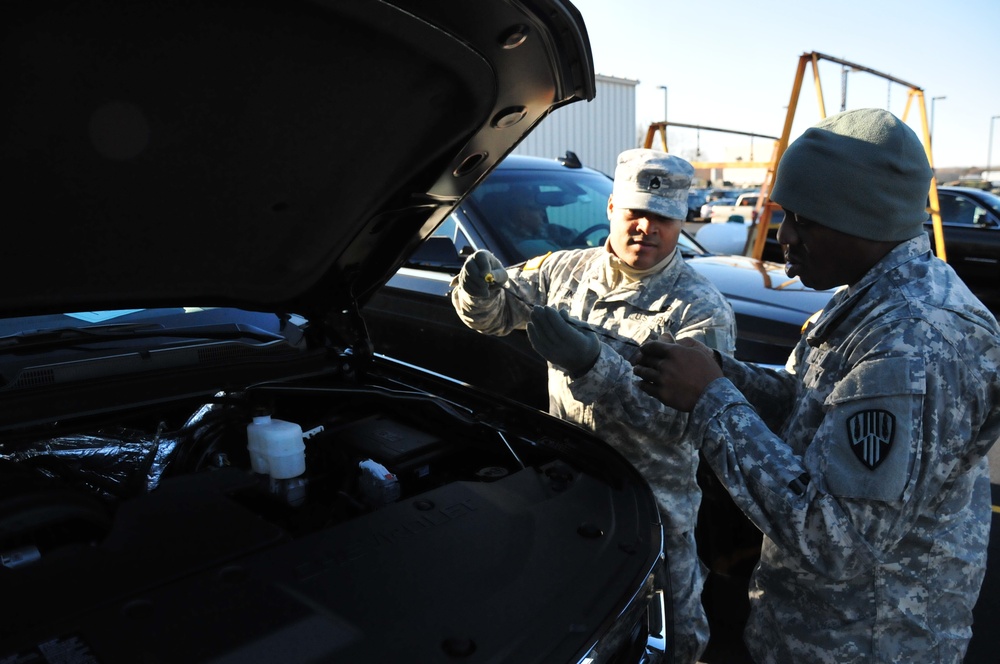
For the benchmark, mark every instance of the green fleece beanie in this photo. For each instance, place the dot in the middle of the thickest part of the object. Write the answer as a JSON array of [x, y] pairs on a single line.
[[862, 172]]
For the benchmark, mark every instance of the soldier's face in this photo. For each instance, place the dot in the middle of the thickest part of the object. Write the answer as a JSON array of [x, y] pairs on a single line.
[[640, 238], [822, 257]]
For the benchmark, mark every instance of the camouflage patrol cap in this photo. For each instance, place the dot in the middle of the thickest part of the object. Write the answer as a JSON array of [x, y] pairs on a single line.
[[653, 181]]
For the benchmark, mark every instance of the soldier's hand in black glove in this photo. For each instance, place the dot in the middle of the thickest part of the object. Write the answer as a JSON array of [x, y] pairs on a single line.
[[569, 345], [482, 275]]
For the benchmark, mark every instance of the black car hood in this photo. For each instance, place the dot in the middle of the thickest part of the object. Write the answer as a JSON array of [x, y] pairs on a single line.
[[273, 155], [754, 282]]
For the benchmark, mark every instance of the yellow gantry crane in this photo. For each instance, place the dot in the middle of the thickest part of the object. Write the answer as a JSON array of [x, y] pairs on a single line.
[[764, 205], [661, 128], [915, 93]]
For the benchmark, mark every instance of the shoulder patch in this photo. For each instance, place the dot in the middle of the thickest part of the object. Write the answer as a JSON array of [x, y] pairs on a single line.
[[535, 263], [870, 433]]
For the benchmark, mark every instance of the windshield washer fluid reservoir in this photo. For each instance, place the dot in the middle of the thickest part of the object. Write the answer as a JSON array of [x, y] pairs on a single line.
[[276, 447]]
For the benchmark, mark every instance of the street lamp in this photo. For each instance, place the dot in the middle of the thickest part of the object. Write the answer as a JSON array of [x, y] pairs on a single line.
[[933, 99], [664, 88], [989, 152], [844, 71]]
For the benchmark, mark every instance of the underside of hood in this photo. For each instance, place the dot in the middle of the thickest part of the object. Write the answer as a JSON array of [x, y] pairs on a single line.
[[269, 154]]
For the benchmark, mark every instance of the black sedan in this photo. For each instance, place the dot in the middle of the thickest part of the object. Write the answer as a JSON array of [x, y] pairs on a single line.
[[411, 317], [970, 219]]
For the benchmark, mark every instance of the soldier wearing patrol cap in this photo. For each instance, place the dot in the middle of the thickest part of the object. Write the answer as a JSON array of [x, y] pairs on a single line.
[[864, 462], [586, 312]]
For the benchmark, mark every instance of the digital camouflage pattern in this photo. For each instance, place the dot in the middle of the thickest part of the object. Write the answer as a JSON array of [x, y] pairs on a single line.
[[864, 464], [676, 301]]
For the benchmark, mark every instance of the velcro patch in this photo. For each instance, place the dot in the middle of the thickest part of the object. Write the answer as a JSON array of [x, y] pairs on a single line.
[[535, 263], [871, 433]]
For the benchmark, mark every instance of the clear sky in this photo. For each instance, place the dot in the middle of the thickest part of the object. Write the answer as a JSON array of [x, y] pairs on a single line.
[[731, 64]]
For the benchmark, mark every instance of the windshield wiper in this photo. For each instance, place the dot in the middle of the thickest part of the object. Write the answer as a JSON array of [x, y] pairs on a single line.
[[65, 337]]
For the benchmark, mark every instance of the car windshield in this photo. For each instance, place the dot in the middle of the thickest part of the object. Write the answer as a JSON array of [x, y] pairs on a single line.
[[538, 211], [113, 336], [208, 322]]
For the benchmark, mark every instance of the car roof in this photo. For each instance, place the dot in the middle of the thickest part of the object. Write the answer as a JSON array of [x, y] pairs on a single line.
[[971, 191], [531, 162]]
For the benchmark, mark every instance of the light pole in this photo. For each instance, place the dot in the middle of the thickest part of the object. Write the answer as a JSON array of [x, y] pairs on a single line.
[[844, 71], [989, 151], [664, 88], [933, 99]]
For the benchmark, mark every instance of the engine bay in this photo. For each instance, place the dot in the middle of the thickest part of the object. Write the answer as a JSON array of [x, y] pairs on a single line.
[[360, 454], [115, 537]]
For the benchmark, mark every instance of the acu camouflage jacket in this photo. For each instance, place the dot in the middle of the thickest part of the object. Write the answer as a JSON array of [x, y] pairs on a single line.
[[676, 301], [864, 465]]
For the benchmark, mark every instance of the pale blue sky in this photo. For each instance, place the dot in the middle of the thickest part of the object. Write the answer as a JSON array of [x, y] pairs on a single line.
[[732, 63]]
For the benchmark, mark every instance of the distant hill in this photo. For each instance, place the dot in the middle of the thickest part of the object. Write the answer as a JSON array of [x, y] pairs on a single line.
[[952, 174]]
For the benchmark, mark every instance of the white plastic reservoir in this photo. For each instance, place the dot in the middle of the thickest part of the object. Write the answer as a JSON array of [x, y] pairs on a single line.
[[276, 447]]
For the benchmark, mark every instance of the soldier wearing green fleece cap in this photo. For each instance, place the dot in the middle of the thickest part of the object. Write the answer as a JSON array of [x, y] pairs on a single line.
[[864, 461]]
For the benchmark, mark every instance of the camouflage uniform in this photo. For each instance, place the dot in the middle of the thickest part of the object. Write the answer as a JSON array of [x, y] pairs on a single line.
[[676, 301], [864, 465]]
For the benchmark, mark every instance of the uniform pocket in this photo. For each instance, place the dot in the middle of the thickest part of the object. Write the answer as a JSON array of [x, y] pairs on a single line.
[[872, 427]]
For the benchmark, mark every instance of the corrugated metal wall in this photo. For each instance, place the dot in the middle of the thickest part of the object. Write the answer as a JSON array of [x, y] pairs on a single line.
[[596, 131]]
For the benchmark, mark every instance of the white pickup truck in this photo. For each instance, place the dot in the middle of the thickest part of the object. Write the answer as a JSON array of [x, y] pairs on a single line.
[[745, 207]]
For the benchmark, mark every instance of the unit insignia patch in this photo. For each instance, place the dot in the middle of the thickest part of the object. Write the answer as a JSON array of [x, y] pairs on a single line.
[[870, 433]]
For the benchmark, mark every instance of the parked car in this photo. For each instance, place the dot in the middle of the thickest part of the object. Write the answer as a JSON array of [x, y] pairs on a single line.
[[411, 318], [204, 462], [744, 207], [696, 198], [706, 208], [970, 220]]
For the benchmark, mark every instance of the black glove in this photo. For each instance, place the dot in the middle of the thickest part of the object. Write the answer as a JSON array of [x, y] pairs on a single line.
[[560, 340], [482, 275]]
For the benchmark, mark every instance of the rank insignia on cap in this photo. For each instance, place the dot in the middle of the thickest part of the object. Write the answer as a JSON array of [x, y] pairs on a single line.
[[871, 433], [654, 183]]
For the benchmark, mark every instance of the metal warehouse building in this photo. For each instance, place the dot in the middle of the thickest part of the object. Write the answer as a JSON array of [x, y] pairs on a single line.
[[596, 131]]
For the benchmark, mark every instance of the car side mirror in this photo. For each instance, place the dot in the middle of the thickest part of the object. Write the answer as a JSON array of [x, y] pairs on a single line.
[[436, 253], [984, 219]]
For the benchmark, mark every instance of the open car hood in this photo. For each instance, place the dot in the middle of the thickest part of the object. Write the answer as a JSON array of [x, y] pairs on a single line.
[[273, 155]]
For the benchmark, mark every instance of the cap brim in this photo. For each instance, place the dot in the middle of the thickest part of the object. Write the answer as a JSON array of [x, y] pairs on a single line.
[[665, 207]]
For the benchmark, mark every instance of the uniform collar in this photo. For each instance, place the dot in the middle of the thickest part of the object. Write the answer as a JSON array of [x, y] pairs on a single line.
[[618, 274], [613, 285], [633, 274], [902, 253], [844, 302]]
